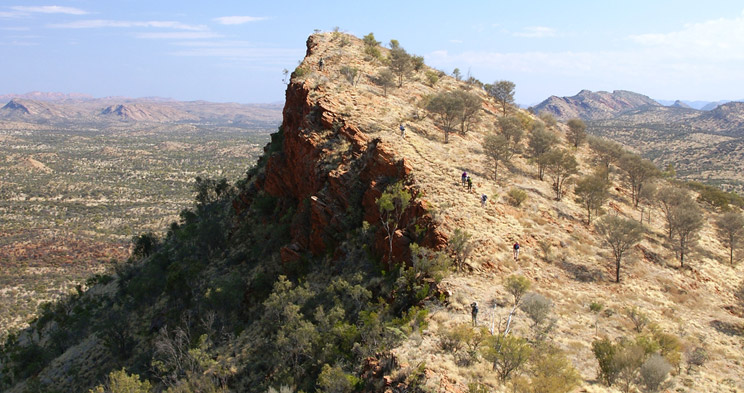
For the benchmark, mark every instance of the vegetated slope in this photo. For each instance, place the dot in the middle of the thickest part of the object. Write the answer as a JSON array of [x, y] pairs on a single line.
[[338, 149]]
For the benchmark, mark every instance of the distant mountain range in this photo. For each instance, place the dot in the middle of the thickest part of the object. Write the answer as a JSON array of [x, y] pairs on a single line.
[[701, 105], [50, 108], [589, 105], [703, 145]]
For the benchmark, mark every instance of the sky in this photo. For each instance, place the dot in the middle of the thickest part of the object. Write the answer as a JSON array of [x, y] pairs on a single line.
[[235, 51]]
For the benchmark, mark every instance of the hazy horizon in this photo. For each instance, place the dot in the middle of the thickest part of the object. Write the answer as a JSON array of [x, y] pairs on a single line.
[[235, 52]]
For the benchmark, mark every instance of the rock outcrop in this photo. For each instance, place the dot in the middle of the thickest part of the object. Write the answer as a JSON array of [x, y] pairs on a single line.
[[331, 173], [147, 112]]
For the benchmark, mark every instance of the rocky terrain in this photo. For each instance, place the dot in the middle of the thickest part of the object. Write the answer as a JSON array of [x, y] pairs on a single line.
[[286, 278]]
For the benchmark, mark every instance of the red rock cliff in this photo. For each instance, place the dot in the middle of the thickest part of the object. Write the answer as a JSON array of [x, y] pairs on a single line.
[[331, 173]]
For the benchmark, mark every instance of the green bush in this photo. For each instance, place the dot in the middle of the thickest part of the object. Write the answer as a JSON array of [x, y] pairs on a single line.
[[605, 352], [299, 72], [335, 380], [432, 77], [507, 353], [122, 382], [516, 196]]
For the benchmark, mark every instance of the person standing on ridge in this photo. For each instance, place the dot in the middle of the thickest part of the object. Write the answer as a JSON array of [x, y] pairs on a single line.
[[464, 178], [483, 200], [402, 130], [474, 312], [470, 184], [516, 250], [320, 64]]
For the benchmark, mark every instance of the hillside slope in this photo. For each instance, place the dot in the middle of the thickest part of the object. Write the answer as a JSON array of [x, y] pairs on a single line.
[[298, 228]]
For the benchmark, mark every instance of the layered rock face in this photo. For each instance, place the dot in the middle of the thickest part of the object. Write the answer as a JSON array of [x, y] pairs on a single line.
[[331, 173]]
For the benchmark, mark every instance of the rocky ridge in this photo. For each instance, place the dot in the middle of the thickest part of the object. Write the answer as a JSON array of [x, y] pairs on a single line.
[[589, 105], [337, 118], [339, 144]]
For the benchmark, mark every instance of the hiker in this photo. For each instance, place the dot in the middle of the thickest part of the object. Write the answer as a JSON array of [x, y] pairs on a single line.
[[320, 64], [470, 184], [403, 130], [474, 312], [483, 200], [516, 250], [464, 178]]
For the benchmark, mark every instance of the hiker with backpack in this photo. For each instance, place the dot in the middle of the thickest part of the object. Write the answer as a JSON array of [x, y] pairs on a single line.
[[403, 130], [464, 178], [474, 312], [470, 184], [483, 200], [516, 251]]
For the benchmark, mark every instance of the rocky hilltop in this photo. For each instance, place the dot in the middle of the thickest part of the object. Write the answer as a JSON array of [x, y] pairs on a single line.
[[286, 278], [591, 105], [152, 112]]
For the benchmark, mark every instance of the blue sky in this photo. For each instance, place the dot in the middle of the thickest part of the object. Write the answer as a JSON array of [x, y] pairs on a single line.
[[236, 50]]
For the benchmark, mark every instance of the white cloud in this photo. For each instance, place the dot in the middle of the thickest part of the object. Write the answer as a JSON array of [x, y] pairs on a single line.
[[102, 23], [238, 20], [179, 35], [49, 9], [536, 32], [719, 39]]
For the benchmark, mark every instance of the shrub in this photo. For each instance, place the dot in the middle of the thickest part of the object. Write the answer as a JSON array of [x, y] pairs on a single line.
[[551, 372], [696, 357], [122, 382], [546, 247], [605, 352], [335, 380], [417, 62], [548, 119], [350, 73], [144, 245], [637, 317], [654, 371], [516, 196], [460, 246], [432, 77], [517, 286], [537, 307], [628, 361], [507, 353], [453, 340], [299, 72]]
